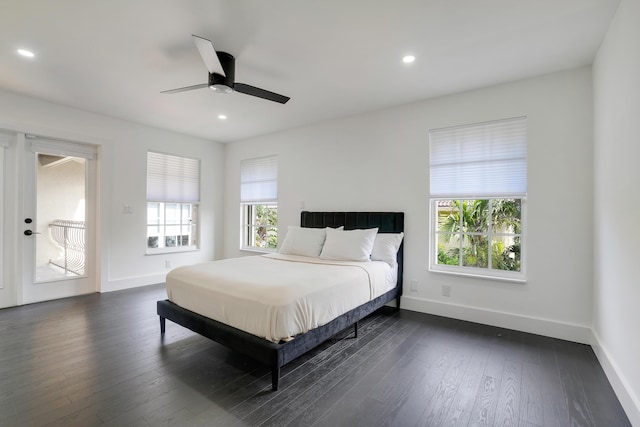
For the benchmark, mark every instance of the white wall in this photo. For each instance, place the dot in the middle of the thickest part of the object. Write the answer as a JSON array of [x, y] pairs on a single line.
[[122, 181], [617, 206], [379, 161]]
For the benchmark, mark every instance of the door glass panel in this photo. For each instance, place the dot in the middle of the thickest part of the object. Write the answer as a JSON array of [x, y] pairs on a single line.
[[61, 189]]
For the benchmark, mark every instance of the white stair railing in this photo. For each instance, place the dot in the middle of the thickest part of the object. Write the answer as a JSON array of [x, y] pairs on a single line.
[[69, 235]]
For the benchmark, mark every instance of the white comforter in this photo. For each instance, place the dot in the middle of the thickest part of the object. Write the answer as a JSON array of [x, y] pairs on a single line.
[[277, 296]]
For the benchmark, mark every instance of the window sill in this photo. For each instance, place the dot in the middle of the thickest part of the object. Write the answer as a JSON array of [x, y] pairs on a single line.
[[519, 278], [162, 251]]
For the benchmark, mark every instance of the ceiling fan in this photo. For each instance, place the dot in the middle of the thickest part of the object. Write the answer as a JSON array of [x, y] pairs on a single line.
[[222, 69]]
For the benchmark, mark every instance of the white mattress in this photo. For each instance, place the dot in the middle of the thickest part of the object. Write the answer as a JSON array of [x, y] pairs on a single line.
[[277, 296]]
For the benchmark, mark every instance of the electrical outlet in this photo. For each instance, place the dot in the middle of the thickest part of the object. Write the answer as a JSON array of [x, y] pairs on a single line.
[[167, 264], [413, 285], [446, 290]]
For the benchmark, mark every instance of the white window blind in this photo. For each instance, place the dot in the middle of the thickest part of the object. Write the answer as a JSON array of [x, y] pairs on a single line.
[[479, 160], [172, 178], [259, 180]]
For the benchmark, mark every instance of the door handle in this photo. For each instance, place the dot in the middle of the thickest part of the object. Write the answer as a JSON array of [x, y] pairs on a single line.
[[29, 232]]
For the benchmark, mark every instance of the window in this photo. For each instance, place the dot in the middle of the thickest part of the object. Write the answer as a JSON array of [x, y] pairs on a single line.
[[259, 203], [171, 225], [478, 187], [173, 196]]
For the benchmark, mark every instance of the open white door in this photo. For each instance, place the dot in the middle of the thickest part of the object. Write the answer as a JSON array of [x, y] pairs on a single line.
[[58, 219]]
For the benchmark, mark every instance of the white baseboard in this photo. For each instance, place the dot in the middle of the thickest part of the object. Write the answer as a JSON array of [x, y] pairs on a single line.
[[534, 325], [132, 282], [629, 401]]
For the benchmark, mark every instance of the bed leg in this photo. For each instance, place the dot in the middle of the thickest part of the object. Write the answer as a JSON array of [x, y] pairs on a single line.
[[162, 325], [398, 302], [355, 330], [275, 378]]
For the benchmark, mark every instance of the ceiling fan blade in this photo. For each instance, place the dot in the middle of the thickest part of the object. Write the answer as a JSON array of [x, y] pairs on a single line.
[[260, 93], [183, 89], [208, 54]]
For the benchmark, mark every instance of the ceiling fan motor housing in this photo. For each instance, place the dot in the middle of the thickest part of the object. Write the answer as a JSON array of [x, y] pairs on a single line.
[[229, 66]]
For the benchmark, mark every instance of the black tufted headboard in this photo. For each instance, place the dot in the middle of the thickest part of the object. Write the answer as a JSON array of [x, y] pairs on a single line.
[[386, 222]]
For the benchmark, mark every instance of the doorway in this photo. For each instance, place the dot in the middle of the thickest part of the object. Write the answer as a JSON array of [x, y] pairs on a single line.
[[55, 192]]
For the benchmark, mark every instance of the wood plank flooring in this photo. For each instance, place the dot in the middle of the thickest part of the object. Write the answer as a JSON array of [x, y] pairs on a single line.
[[99, 360]]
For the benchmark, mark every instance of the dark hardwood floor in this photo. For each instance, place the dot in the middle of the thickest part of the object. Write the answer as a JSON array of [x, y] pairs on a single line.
[[100, 360]]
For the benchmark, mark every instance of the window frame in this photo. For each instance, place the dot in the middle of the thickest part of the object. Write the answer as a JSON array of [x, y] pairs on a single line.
[[478, 272], [248, 232], [193, 223]]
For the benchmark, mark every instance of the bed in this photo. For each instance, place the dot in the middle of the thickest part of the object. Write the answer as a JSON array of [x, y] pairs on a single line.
[[272, 347]]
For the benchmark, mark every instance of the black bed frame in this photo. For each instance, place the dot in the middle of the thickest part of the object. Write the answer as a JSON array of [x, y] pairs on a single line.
[[276, 355]]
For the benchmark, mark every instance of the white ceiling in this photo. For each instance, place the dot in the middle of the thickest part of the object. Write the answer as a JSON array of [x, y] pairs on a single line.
[[334, 58]]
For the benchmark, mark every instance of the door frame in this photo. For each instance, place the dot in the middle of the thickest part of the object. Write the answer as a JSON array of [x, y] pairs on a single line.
[[8, 288], [26, 205]]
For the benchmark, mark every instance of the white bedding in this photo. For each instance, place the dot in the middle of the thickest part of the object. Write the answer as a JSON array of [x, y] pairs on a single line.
[[277, 296]]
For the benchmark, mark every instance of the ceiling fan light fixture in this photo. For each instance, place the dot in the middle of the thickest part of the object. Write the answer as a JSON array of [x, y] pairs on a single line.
[[221, 88]]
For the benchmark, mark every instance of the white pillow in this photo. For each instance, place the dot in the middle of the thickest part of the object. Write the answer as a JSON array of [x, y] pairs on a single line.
[[385, 248], [303, 241], [348, 245]]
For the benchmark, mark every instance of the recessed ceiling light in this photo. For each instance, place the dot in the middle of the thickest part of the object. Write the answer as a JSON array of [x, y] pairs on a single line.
[[222, 117], [408, 59], [26, 53]]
